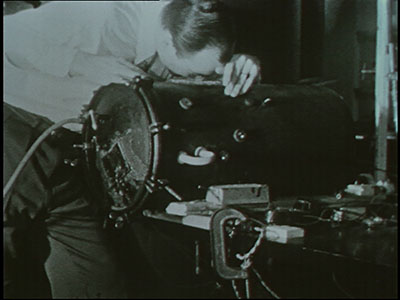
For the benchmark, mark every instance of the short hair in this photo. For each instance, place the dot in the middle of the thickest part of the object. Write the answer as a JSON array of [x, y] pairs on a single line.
[[198, 24]]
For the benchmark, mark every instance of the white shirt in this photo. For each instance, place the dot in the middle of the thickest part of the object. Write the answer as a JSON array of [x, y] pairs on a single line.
[[40, 44]]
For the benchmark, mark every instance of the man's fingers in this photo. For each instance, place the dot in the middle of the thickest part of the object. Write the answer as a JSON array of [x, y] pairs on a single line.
[[244, 78], [240, 75], [232, 71], [227, 74], [252, 76], [247, 67], [247, 85], [239, 85], [228, 89], [254, 71], [238, 67]]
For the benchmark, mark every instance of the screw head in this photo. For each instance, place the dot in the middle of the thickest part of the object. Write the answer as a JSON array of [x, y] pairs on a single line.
[[248, 102], [118, 225], [112, 215], [224, 155]]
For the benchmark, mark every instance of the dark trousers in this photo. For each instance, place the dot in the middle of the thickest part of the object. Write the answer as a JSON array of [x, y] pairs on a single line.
[[54, 244]]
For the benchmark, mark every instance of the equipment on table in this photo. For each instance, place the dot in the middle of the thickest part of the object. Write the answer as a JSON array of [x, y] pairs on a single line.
[[173, 141]]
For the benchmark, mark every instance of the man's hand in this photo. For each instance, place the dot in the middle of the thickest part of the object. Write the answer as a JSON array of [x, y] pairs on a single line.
[[240, 74], [103, 70]]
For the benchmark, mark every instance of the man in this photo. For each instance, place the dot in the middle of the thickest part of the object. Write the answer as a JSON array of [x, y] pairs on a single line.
[[57, 55], [54, 58]]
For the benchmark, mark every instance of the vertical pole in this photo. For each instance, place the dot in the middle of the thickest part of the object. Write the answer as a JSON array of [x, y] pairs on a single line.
[[394, 87], [294, 41], [382, 87]]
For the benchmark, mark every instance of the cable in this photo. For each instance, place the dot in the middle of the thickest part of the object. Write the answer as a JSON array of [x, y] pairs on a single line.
[[235, 289], [8, 187], [339, 286], [256, 221], [266, 287]]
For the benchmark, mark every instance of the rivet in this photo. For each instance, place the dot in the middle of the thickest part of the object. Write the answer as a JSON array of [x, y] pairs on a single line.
[[224, 155], [248, 102]]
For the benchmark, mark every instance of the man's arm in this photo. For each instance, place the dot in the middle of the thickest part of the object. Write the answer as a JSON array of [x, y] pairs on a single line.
[[102, 69], [27, 200], [55, 97]]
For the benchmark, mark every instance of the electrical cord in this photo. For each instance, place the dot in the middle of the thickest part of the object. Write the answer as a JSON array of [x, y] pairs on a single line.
[[8, 187], [235, 289], [340, 287], [265, 286]]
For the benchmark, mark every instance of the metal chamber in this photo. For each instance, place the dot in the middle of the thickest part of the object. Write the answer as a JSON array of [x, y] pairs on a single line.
[[298, 139]]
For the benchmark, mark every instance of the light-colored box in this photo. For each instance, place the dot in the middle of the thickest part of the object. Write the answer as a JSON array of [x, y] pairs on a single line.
[[283, 233], [230, 194], [360, 189]]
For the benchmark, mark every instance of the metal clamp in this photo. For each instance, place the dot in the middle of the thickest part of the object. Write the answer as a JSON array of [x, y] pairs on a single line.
[[153, 185], [218, 222]]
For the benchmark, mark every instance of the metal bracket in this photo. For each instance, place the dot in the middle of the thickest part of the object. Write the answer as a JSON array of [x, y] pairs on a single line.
[[218, 222], [157, 127], [152, 185]]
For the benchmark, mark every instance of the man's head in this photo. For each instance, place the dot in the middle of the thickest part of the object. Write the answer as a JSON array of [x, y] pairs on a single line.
[[196, 37]]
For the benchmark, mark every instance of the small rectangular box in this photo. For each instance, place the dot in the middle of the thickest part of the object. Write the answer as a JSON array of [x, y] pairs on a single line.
[[360, 189], [230, 194], [283, 233], [195, 207]]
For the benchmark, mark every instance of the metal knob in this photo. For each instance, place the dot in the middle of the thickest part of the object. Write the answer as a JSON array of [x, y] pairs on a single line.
[[265, 101], [185, 103], [239, 135]]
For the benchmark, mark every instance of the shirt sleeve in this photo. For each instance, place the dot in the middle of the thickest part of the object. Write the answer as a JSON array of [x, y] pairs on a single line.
[[48, 38], [119, 36]]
